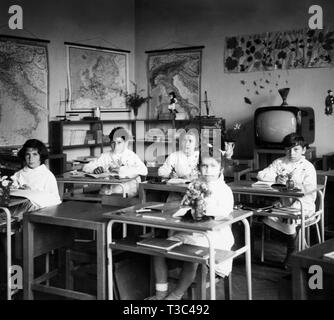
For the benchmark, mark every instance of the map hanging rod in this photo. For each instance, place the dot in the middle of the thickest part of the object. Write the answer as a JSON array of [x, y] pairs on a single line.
[[176, 49], [95, 47], [24, 38]]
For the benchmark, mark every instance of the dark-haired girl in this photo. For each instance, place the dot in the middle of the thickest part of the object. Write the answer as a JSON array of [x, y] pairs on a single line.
[[36, 176]]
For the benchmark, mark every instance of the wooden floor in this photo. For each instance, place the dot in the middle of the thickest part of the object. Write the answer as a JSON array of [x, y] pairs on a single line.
[[269, 282]]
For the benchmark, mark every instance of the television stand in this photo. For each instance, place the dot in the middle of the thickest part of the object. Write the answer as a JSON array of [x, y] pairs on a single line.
[[270, 155]]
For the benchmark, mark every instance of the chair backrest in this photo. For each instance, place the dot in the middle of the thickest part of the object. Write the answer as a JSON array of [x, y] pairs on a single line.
[[322, 181]]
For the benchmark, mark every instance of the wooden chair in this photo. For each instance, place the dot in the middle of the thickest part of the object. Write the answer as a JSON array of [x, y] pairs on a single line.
[[312, 220]]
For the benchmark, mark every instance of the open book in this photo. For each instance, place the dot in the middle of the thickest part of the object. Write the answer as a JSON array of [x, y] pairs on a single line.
[[102, 175], [159, 243]]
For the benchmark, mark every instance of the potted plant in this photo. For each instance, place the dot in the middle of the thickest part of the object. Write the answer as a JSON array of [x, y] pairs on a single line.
[[5, 184], [134, 100]]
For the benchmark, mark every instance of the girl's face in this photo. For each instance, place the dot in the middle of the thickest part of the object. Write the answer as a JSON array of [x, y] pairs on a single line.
[[295, 153], [189, 143], [210, 169], [32, 158], [118, 145]]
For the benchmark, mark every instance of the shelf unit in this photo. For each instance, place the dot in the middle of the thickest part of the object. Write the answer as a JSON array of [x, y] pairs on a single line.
[[60, 144], [137, 127]]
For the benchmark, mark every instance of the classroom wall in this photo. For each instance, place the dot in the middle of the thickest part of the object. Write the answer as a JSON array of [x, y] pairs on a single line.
[[101, 23], [181, 23]]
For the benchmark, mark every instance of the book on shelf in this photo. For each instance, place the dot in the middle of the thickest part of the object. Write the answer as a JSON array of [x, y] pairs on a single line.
[[329, 256], [102, 175], [256, 206], [159, 243], [188, 250]]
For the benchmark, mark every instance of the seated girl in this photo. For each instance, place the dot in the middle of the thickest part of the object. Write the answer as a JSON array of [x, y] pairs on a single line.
[[182, 164], [119, 160], [37, 180], [218, 204], [303, 173], [35, 176]]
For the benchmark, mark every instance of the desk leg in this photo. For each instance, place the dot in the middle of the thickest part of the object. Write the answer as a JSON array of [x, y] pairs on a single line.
[[101, 263], [212, 271], [248, 258], [298, 282], [28, 259], [142, 194], [110, 262], [61, 189]]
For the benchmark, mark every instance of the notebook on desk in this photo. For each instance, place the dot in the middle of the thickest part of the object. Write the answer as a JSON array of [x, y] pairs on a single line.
[[262, 184]]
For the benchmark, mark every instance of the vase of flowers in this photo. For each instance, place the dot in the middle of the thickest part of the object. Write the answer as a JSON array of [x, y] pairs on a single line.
[[195, 196], [230, 137], [5, 184], [134, 100]]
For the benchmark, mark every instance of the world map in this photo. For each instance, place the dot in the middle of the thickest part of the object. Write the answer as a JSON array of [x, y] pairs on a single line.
[[177, 72], [96, 79], [23, 91]]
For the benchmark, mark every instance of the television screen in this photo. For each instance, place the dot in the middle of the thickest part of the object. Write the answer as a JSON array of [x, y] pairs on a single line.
[[272, 126]]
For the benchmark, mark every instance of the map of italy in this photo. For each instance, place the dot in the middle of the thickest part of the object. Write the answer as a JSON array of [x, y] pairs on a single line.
[[179, 73], [23, 92]]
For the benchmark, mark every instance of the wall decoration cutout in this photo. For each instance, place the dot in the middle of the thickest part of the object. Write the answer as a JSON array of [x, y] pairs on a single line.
[[174, 70], [96, 77], [24, 90], [304, 48], [264, 85]]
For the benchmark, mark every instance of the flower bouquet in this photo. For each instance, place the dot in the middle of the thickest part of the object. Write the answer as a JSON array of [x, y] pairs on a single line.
[[134, 100], [5, 184], [195, 196]]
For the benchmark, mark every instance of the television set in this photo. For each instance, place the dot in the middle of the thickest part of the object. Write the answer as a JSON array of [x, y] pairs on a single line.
[[272, 124]]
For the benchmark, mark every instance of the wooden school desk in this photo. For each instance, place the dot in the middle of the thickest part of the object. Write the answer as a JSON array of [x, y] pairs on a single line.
[[67, 178], [50, 228], [245, 187], [166, 221], [303, 260], [165, 187], [14, 201]]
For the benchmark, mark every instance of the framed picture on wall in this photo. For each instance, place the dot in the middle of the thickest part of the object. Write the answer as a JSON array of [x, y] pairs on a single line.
[[174, 70], [96, 78], [24, 90]]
